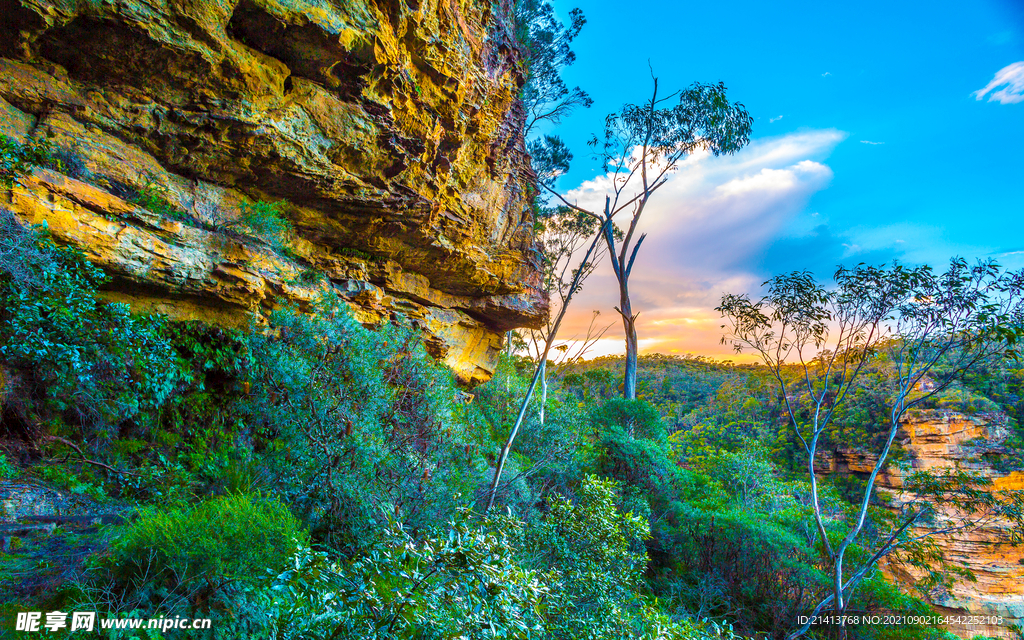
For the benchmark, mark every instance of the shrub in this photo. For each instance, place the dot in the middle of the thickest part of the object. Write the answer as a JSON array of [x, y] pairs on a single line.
[[596, 557], [25, 262], [638, 417], [576, 574], [16, 158], [463, 581], [189, 559], [264, 220], [348, 419], [742, 565], [153, 198], [7, 470], [78, 359]]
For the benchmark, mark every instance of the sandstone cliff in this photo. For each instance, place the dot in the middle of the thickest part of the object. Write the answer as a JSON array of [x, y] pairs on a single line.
[[388, 130], [936, 440]]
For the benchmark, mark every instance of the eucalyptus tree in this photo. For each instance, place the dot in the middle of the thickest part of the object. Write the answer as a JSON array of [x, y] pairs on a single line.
[[641, 146], [545, 44], [921, 327]]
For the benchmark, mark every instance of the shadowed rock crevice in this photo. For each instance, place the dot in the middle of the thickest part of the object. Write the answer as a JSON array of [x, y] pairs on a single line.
[[306, 49]]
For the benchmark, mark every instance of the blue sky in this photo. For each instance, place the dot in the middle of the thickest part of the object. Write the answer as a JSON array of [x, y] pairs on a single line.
[[870, 143]]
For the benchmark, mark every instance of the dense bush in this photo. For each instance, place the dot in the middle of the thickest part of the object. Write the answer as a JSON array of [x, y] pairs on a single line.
[[17, 158], [459, 581], [575, 574], [264, 220], [349, 420], [597, 559], [189, 560], [76, 360]]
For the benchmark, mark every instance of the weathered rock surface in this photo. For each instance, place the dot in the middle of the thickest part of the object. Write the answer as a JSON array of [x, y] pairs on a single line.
[[942, 440], [47, 534], [389, 131]]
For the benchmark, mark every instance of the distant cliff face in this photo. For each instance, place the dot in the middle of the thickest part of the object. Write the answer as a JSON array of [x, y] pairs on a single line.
[[389, 130], [946, 440]]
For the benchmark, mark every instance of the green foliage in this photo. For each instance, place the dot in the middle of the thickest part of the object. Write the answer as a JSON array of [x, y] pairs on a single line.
[[550, 158], [349, 419], [471, 580], [547, 453], [153, 197], [181, 560], [64, 476], [460, 582], [16, 158], [264, 220], [590, 384], [545, 46], [743, 565], [703, 119], [195, 443], [596, 556], [638, 417], [78, 359], [585, 563], [7, 470]]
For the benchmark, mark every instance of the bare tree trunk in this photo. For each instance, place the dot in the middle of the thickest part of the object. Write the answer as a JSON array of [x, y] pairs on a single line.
[[622, 265], [840, 602], [543, 390], [629, 328], [507, 447]]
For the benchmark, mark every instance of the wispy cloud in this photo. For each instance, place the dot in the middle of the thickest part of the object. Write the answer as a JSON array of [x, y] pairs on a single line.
[[1011, 79], [870, 142], [827, 73], [775, 119]]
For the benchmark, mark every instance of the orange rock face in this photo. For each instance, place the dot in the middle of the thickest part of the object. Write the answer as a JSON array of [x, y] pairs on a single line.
[[943, 440], [389, 133]]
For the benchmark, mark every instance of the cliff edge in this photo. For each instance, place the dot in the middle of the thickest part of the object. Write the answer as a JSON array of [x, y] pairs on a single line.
[[936, 440]]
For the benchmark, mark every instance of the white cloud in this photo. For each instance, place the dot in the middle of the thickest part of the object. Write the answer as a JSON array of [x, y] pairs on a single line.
[[827, 73], [775, 119], [1012, 76], [706, 228], [870, 142]]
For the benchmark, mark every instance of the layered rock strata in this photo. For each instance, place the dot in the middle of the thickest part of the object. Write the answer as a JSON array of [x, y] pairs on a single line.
[[388, 132], [936, 440]]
